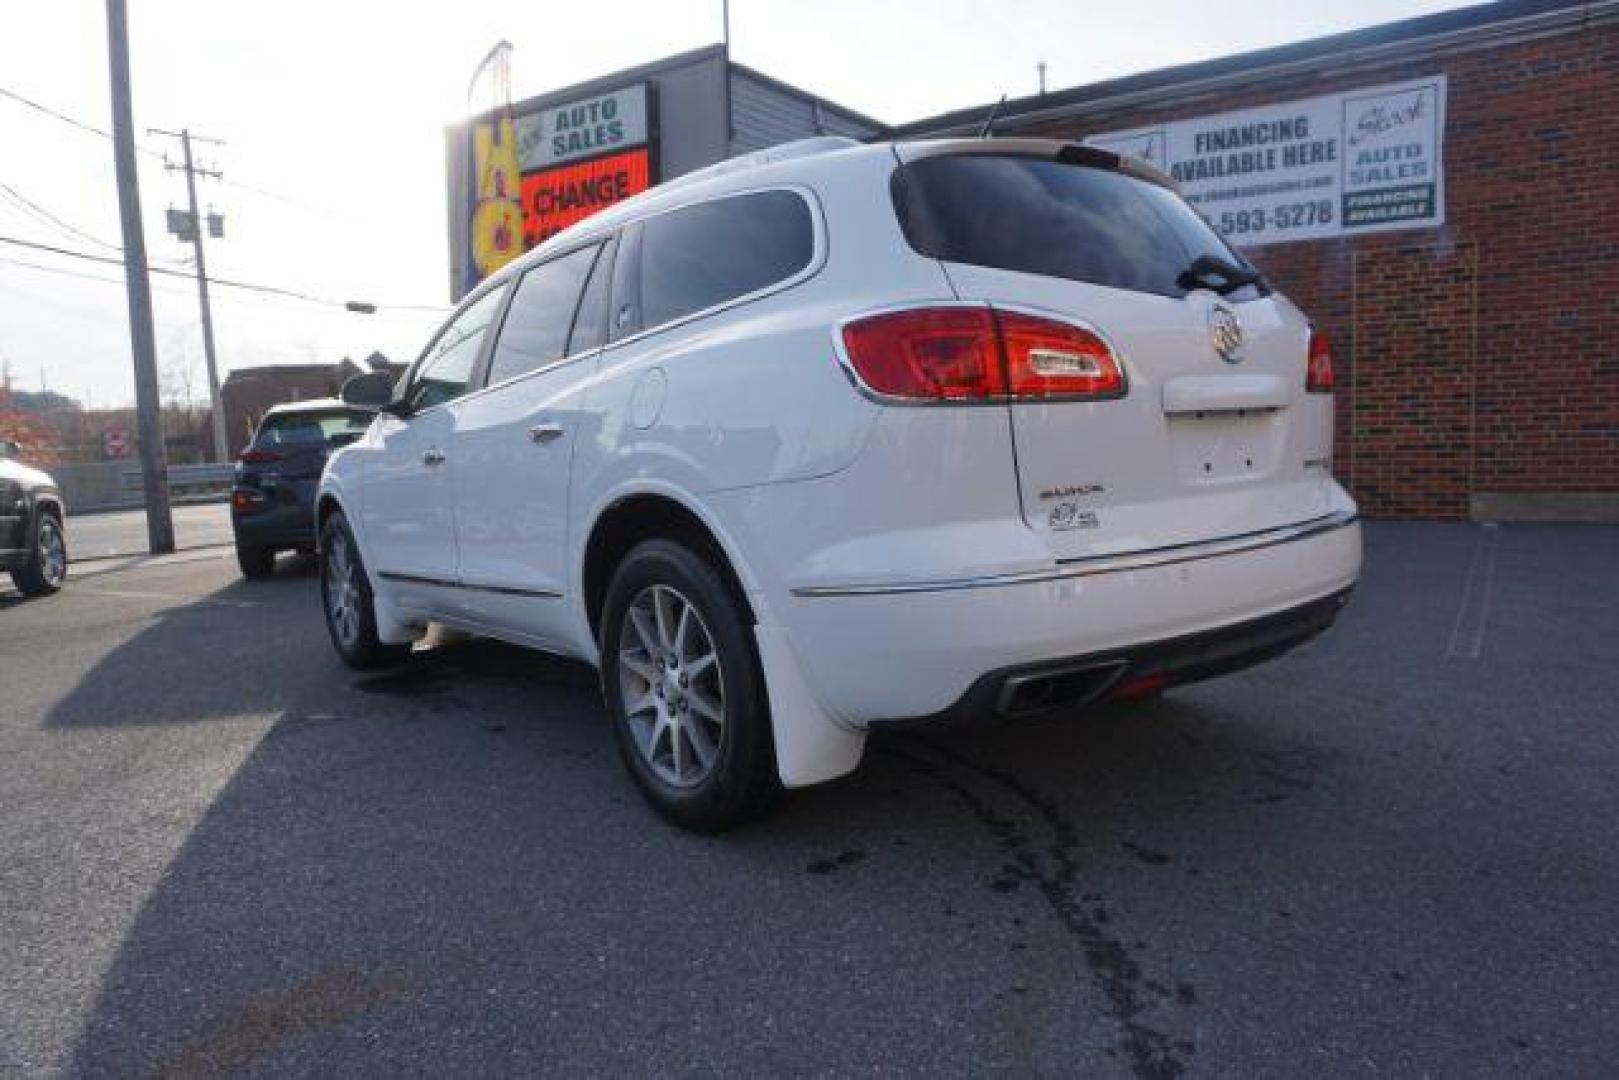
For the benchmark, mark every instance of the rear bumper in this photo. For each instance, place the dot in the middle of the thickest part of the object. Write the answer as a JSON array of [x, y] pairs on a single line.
[[277, 526], [875, 657], [1031, 690]]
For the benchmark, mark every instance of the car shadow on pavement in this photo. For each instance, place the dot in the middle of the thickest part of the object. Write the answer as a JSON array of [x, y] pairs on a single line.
[[215, 657], [445, 863]]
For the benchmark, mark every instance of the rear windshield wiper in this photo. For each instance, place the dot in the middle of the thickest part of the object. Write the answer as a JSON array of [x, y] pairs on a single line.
[[1214, 273]]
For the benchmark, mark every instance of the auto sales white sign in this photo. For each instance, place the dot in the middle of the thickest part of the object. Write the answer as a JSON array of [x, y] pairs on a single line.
[[1361, 161], [590, 127]]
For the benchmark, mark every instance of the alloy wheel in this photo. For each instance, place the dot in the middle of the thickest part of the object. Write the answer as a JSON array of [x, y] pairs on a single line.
[[671, 685], [52, 552], [342, 591]]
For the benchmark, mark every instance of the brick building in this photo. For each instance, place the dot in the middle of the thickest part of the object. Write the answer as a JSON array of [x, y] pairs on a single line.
[[1477, 356], [249, 393]]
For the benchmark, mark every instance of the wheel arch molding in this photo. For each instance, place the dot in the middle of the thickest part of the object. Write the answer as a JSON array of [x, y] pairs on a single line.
[[631, 515]]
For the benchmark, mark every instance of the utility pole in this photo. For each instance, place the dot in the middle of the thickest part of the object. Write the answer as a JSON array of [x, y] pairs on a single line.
[[221, 451], [154, 456], [1042, 66]]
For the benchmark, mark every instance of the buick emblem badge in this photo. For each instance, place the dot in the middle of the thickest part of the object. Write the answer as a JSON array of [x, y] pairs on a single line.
[[1225, 331]]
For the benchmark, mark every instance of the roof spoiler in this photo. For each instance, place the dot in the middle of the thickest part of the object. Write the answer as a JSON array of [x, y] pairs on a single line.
[[1069, 153]]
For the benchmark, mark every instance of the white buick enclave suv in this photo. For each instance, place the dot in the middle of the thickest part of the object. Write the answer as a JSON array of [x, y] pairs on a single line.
[[840, 436]]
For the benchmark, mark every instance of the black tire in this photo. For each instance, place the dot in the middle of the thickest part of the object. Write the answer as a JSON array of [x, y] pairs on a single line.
[[739, 782], [46, 567], [356, 642], [256, 562]]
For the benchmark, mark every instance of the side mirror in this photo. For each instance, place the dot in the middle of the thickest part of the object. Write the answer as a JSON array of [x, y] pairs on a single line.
[[372, 390]]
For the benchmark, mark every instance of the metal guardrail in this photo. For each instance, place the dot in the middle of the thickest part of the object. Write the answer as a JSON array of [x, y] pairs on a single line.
[[188, 479]]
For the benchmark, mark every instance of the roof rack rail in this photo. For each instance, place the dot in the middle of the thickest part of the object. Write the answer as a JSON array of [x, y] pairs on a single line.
[[798, 148]]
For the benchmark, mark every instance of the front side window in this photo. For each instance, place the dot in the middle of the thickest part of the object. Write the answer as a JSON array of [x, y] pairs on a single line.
[[1057, 219], [700, 256], [535, 331], [445, 371]]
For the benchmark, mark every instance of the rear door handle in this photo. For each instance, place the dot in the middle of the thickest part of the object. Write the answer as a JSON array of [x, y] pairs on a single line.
[[544, 433], [434, 456]]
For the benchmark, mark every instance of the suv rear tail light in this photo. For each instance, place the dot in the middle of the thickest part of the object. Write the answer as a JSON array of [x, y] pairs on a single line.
[[971, 353], [1318, 367], [261, 457], [927, 354], [1050, 359]]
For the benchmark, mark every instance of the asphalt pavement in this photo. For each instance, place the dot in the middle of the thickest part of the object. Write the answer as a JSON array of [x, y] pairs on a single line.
[[123, 532], [1392, 851]]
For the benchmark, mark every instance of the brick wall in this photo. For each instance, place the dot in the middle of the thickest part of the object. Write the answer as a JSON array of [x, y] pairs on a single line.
[[1482, 357]]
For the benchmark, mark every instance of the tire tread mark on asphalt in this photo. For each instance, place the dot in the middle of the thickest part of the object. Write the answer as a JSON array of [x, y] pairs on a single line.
[[1473, 616], [1152, 1053]]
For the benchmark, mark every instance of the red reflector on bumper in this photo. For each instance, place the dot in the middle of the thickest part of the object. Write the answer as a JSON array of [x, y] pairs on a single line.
[[1141, 686]]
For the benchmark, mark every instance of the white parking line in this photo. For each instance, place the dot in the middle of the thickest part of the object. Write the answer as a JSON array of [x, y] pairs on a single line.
[[1467, 635]]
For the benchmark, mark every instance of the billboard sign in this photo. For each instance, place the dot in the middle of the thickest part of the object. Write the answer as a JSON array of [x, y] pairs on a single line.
[[535, 171], [587, 128], [1361, 161], [555, 198]]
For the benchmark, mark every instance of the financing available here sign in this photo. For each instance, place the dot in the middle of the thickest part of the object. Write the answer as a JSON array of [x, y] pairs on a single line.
[[1364, 160]]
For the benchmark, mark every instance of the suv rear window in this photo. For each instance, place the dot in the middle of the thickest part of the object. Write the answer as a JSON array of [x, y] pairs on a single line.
[[312, 428], [703, 255], [1060, 220]]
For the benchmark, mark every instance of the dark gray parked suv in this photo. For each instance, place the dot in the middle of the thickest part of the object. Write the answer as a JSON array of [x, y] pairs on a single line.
[[272, 506], [33, 540]]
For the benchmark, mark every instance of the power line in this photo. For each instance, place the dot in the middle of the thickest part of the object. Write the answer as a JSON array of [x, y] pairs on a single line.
[[61, 270], [48, 111], [248, 285], [168, 290], [50, 218], [66, 119], [290, 200], [180, 289], [160, 156]]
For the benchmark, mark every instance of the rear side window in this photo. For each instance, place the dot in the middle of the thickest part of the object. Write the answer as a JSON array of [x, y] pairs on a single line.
[[1051, 218], [703, 255], [535, 330], [590, 323]]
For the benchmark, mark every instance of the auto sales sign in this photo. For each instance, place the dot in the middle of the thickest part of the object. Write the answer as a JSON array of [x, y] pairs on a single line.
[[582, 156], [1361, 161]]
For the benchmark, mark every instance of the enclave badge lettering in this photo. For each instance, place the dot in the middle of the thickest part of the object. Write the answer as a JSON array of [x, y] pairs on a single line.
[[1071, 490]]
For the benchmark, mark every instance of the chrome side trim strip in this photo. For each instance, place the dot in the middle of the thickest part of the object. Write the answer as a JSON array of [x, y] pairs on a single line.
[[512, 590], [1103, 564], [415, 579], [446, 583]]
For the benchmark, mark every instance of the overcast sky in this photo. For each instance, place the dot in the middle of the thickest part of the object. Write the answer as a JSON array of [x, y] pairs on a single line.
[[333, 115]]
